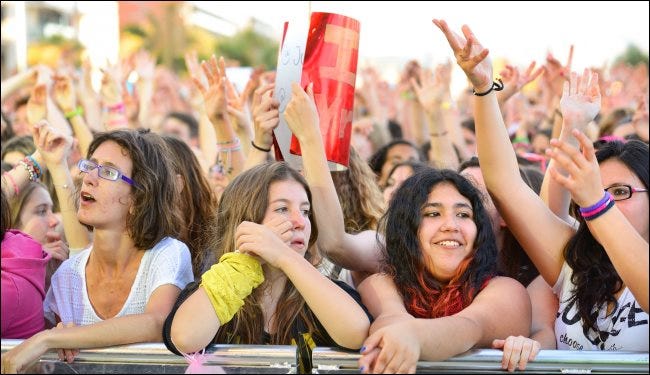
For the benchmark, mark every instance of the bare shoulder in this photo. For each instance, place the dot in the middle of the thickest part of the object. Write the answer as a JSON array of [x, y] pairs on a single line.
[[503, 288]]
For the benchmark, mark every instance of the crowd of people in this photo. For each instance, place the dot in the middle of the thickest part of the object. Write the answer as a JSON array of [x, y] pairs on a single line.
[[513, 216]]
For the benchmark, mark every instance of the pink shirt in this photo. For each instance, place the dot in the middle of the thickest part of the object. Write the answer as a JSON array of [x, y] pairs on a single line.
[[23, 283]]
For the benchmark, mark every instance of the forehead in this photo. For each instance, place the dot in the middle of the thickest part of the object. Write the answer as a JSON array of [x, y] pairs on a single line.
[[614, 171], [111, 152], [403, 151], [39, 196], [288, 190], [445, 192]]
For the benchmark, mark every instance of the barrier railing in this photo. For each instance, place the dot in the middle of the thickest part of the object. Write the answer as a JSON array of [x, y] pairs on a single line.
[[154, 358], [488, 361], [268, 359]]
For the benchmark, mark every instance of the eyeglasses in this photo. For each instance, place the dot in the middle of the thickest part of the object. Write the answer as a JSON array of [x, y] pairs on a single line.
[[623, 192], [105, 172]]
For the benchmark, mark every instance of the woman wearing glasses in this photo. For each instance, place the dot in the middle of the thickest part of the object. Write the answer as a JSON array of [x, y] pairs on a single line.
[[599, 271], [121, 289]]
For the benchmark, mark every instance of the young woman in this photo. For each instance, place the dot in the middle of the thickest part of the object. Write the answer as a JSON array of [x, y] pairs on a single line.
[[121, 289], [439, 295], [266, 288], [599, 272]]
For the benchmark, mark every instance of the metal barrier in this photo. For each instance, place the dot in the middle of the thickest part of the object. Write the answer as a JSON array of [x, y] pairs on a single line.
[[268, 359], [488, 361], [156, 359]]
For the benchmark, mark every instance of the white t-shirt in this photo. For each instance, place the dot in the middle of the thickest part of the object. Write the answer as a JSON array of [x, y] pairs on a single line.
[[168, 262], [625, 329]]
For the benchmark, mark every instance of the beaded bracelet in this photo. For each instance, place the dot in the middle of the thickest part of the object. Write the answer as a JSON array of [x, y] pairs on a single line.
[[496, 86], [29, 169], [37, 167]]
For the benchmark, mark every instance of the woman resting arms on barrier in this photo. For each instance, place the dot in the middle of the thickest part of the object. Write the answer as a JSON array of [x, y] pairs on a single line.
[[265, 288], [121, 289], [439, 295], [599, 271]]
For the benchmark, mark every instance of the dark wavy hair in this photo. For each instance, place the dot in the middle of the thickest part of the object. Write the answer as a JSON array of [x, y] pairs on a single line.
[[246, 198], [404, 260], [378, 159], [153, 216], [594, 276]]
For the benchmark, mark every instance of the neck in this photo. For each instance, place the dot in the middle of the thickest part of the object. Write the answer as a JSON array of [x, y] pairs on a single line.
[[113, 250]]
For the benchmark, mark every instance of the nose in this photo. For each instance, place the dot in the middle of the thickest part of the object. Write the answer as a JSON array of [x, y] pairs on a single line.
[[90, 178], [52, 220], [297, 219], [450, 224]]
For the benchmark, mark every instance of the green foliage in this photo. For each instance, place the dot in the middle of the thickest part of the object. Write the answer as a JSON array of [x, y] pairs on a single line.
[[632, 56], [249, 48]]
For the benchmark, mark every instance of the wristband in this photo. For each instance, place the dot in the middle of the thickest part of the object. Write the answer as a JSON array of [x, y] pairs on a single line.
[[230, 281], [603, 201], [119, 107], [260, 148], [496, 86], [75, 112], [599, 212], [9, 177]]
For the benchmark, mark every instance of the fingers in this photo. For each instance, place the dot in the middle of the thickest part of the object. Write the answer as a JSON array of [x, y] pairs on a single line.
[[367, 360], [528, 353]]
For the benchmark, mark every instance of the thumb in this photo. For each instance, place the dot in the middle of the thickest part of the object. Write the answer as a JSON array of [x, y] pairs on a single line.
[[498, 344], [371, 343], [310, 90]]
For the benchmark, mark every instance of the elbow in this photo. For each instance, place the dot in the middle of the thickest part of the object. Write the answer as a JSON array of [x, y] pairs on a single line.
[[354, 335], [183, 340]]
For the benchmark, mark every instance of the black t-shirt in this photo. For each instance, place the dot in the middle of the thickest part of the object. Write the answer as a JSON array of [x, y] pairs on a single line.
[[305, 340]]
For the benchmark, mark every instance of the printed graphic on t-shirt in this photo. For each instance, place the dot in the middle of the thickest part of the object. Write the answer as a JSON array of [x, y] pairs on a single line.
[[627, 316]]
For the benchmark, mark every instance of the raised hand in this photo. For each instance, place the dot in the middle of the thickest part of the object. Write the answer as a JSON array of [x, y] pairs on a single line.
[[301, 113], [514, 82], [55, 246], [53, 145], [111, 90], [517, 351], [470, 55], [583, 179], [430, 91], [214, 95], [37, 105], [581, 99], [63, 93], [266, 115], [556, 73]]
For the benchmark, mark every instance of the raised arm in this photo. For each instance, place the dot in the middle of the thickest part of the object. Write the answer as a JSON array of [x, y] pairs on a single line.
[[65, 97], [266, 117], [55, 148], [580, 104], [517, 203], [629, 257], [359, 252]]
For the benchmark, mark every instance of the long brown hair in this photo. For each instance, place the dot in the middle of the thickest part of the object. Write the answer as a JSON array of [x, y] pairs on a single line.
[[246, 198], [197, 204]]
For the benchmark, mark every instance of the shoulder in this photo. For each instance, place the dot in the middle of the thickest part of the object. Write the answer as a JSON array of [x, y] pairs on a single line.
[[169, 247], [501, 288]]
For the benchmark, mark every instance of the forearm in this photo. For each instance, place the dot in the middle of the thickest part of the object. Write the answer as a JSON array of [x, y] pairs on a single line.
[[75, 233], [207, 136], [13, 83], [629, 257], [498, 160], [255, 157], [345, 321], [123, 330], [226, 136], [82, 133], [442, 150], [446, 337], [145, 95]]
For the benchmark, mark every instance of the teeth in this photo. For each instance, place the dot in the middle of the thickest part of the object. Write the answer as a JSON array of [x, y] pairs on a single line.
[[448, 243]]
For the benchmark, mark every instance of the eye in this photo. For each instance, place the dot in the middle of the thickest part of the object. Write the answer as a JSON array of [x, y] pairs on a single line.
[[306, 212], [281, 210], [111, 173], [464, 214], [618, 191], [431, 214]]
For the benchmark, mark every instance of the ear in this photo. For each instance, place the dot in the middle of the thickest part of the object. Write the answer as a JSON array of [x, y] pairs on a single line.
[[502, 223]]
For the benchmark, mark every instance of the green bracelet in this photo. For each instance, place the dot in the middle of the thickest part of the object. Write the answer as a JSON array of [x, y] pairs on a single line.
[[75, 112]]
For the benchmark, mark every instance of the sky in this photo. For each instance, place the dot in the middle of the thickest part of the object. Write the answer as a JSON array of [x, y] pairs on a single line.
[[393, 32]]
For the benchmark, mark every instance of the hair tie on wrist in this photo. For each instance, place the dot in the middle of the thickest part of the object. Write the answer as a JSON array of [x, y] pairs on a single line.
[[79, 111], [260, 148], [496, 86]]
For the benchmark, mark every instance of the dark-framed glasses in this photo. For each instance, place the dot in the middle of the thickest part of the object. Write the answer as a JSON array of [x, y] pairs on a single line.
[[623, 192], [103, 171]]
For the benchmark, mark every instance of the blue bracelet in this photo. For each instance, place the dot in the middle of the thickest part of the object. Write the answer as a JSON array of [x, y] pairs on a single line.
[[602, 201], [601, 212]]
